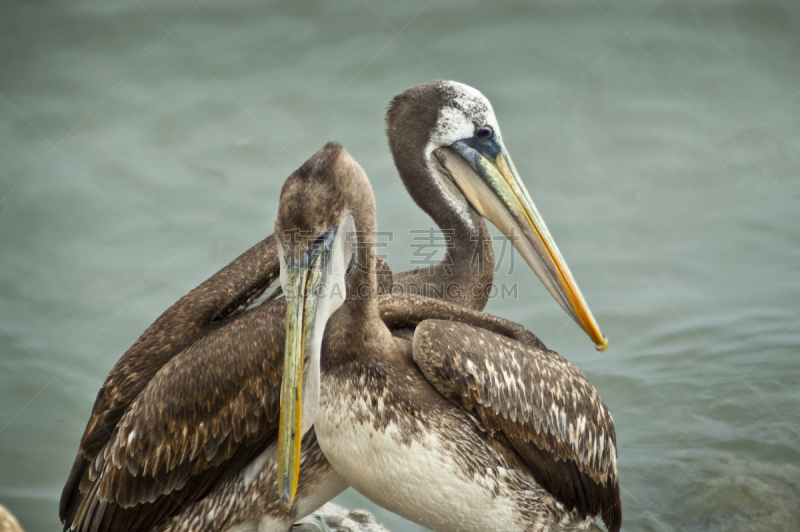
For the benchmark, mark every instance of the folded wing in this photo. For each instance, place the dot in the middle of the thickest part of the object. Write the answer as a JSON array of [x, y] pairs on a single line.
[[543, 404], [217, 301], [205, 414]]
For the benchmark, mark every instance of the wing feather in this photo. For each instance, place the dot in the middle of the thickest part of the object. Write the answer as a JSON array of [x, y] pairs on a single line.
[[205, 414], [541, 402], [206, 308]]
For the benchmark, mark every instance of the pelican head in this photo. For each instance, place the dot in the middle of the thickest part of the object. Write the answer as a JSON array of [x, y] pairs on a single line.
[[319, 257], [447, 132]]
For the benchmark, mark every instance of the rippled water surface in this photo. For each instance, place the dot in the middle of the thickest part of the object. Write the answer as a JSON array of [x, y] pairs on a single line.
[[143, 146]]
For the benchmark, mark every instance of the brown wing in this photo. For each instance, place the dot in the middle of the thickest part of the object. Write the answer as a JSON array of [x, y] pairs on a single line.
[[543, 404], [205, 414], [206, 308]]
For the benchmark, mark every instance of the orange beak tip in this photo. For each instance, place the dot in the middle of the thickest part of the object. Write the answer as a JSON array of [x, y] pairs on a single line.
[[602, 347]]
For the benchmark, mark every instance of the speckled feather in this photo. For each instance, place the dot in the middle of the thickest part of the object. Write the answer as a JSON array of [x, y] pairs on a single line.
[[541, 402], [206, 413], [204, 309]]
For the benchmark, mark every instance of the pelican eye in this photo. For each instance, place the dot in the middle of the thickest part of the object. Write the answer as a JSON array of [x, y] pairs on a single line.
[[484, 133]]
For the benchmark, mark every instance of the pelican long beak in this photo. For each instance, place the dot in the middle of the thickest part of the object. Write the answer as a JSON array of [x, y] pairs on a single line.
[[304, 280], [484, 172]]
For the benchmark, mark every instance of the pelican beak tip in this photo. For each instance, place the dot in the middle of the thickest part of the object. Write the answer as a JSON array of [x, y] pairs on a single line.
[[286, 500], [602, 347]]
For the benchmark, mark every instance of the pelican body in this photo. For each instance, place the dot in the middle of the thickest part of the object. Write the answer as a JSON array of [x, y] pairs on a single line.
[[466, 423]]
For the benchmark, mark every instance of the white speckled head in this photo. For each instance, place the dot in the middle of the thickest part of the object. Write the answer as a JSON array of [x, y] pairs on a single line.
[[465, 109]]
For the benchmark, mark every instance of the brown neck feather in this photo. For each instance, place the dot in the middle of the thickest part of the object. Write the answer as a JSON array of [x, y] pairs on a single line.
[[468, 263], [356, 328]]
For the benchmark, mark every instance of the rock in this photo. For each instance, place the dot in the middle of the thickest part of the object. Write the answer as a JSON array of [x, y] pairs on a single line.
[[333, 518]]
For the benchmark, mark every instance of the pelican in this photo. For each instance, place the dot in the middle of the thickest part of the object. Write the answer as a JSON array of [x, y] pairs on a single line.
[[186, 409], [449, 152], [141, 436], [469, 425]]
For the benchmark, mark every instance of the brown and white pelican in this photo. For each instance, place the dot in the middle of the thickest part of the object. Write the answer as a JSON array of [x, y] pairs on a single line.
[[470, 424], [126, 476]]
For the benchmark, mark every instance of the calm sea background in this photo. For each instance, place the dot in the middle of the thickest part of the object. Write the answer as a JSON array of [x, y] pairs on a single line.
[[143, 144]]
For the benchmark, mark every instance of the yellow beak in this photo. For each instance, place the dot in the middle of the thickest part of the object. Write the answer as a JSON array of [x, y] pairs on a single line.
[[484, 172], [305, 281]]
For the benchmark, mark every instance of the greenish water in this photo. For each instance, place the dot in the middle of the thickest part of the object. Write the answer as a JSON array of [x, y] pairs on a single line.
[[660, 141]]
